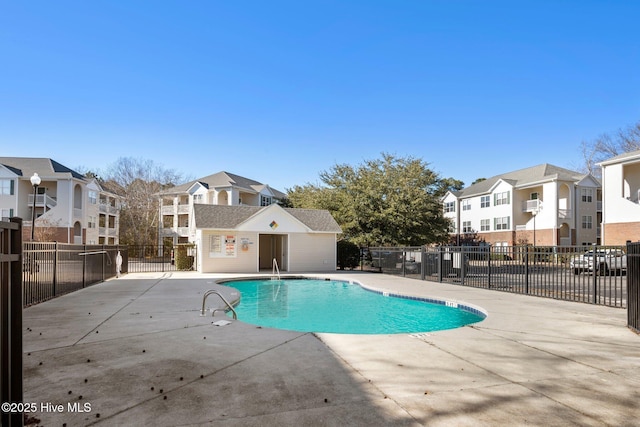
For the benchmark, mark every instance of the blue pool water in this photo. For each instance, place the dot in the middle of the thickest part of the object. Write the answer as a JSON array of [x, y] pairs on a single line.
[[309, 305]]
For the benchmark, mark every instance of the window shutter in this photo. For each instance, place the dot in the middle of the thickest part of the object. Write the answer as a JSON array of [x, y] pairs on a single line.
[[11, 189], [11, 211]]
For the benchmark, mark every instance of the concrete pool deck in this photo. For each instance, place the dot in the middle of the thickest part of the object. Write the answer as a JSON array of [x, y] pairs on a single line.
[[135, 351]]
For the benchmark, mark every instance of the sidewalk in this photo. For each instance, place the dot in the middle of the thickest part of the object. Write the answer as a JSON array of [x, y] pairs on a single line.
[[135, 351]]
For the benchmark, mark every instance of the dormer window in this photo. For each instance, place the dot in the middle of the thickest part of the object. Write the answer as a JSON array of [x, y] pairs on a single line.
[[265, 200]]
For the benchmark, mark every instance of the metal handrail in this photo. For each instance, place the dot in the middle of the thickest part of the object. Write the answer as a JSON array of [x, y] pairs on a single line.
[[204, 299], [274, 270]]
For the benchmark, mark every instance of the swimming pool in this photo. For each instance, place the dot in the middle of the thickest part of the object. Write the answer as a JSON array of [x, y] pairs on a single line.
[[322, 305]]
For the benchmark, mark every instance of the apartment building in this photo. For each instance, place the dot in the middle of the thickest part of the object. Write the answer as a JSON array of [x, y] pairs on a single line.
[[542, 205], [68, 208], [621, 198], [222, 188]]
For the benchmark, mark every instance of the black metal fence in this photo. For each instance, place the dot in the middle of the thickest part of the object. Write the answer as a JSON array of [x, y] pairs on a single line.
[[589, 274], [633, 284], [54, 269], [11, 389], [154, 258]]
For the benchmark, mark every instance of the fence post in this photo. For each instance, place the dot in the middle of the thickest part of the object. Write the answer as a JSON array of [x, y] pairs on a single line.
[[55, 267], [84, 266], [463, 265], [489, 266], [423, 258], [104, 253], [595, 274], [440, 250], [526, 269], [11, 387]]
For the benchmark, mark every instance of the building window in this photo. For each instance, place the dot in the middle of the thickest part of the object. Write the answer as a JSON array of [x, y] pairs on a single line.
[[449, 207], [6, 187], [466, 227], [6, 213], [92, 222], [265, 200], [501, 198], [466, 205], [485, 225], [587, 221], [587, 195], [93, 197], [485, 201], [197, 198], [501, 223]]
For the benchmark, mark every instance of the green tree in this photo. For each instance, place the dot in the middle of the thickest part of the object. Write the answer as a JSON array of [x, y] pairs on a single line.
[[387, 201]]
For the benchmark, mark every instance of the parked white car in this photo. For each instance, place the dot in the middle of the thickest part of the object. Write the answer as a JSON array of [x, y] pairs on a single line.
[[604, 261]]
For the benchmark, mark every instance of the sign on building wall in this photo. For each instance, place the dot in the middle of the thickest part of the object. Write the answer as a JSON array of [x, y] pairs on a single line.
[[222, 245]]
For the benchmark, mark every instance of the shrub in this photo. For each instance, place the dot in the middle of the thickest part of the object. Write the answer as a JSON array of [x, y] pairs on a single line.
[[348, 254], [184, 261]]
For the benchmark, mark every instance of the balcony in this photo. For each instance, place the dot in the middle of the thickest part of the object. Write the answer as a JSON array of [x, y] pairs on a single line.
[[170, 232], [105, 208], [565, 213], [175, 209], [42, 200], [531, 205]]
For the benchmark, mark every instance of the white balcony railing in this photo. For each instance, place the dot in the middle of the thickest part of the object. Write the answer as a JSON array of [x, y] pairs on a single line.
[[564, 213], [531, 205], [175, 209], [42, 200], [104, 208]]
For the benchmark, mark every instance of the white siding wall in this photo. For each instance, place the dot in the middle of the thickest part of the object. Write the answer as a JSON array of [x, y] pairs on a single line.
[[244, 261], [312, 252], [453, 216], [617, 208]]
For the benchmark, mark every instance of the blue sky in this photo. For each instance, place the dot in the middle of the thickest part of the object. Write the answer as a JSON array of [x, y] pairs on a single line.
[[279, 91]]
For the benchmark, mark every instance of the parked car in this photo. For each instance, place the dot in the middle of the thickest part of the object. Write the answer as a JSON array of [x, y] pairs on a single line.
[[600, 261]]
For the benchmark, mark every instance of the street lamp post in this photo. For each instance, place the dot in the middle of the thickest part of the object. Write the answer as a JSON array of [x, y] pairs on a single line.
[[35, 181]]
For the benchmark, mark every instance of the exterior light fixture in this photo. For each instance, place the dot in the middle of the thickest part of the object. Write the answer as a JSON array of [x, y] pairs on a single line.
[[35, 181]]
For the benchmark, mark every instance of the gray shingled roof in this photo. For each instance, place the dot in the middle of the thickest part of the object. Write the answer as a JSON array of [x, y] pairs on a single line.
[[224, 179], [315, 219], [229, 217], [45, 167], [621, 157], [522, 178]]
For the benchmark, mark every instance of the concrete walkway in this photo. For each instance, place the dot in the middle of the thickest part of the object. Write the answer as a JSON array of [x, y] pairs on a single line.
[[135, 351]]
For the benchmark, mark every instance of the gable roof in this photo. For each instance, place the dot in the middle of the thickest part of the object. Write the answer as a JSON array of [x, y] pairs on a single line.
[[224, 179], [230, 217], [45, 167], [523, 178]]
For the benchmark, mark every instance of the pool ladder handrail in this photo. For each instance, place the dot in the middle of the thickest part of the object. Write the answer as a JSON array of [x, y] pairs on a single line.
[[274, 270], [213, 291]]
